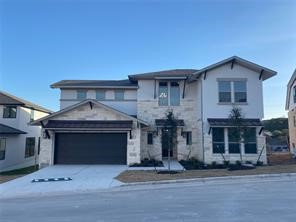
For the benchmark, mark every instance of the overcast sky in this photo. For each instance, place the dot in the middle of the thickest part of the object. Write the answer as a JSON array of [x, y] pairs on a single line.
[[46, 41]]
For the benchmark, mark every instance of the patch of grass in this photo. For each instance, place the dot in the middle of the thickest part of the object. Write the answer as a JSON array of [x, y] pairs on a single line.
[[25, 170]]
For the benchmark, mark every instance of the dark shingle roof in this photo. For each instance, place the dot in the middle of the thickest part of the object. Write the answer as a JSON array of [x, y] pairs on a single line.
[[95, 84], [228, 122], [8, 99], [161, 122], [89, 124], [9, 130], [164, 73]]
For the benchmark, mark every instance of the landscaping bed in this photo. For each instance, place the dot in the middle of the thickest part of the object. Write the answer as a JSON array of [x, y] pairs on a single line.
[[148, 163], [143, 176], [13, 174]]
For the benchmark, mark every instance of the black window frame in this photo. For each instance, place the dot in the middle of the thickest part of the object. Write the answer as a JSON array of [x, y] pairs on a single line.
[[10, 108], [234, 145], [188, 138], [252, 142], [30, 147], [2, 151], [150, 138], [166, 99], [218, 145], [294, 92]]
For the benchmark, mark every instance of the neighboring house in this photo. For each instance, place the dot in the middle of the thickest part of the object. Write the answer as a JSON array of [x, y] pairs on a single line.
[[19, 141], [121, 122], [291, 108]]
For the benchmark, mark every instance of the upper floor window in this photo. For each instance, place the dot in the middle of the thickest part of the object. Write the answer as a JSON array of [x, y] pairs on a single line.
[[240, 91], [81, 94], [32, 114], [232, 91], [169, 94], [294, 94], [224, 91], [9, 111], [2, 148], [100, 95], [119, 94]]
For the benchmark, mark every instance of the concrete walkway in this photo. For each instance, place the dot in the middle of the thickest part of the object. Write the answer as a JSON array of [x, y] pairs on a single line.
[[84, 178], [175, 166]]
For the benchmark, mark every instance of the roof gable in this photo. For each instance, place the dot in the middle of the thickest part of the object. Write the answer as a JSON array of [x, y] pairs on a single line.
[[8, 99], [262, 71]]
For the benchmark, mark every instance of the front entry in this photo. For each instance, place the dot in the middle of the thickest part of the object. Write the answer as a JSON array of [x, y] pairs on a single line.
[[165, 146]]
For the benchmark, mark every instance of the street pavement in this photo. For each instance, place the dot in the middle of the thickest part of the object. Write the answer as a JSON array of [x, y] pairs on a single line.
[[244, 200]]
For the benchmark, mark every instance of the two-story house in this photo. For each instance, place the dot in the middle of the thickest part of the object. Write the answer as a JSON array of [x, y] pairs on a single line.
[[19, 141], [121, 122], [291, 108]]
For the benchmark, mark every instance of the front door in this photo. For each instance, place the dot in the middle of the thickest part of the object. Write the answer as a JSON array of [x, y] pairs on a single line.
[[166, 150]]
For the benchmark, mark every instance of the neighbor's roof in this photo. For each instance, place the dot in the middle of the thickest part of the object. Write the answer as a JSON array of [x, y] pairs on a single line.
[[266, 73], [9, 130], [222, 122], [8, 99], [125, 83], [173, 73], [89, 124], [289, 88]]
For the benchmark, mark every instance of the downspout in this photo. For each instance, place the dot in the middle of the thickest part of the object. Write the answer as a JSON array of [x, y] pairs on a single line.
[[202, 123]]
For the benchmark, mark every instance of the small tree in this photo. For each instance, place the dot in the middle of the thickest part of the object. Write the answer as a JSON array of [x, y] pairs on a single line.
[[236, 117], [169, 135]]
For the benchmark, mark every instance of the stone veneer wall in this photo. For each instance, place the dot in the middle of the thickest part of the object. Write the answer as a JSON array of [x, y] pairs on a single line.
[[292, 130], [84, 112], [149, 110], [211, 157]]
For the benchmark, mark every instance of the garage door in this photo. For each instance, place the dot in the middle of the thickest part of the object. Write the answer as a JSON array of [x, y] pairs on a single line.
[[90, 148]]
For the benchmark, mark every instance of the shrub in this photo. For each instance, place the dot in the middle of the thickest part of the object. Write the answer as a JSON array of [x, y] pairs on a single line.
[[259, 163], [226, 163], [238, 163]]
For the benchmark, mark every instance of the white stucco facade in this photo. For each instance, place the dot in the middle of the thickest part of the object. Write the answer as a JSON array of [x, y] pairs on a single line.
[[15, 144]]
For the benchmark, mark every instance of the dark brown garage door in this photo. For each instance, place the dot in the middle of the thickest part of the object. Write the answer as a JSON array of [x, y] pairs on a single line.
[[90, 148]]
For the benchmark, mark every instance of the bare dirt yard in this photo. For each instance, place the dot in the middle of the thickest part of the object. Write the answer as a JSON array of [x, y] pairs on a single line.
[[130, 176]]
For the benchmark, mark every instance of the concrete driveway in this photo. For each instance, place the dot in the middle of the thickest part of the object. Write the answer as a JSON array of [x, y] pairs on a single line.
[[84, 178]]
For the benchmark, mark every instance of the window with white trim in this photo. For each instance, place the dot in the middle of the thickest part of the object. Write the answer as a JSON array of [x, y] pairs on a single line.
[[119, 94], [232, 91]]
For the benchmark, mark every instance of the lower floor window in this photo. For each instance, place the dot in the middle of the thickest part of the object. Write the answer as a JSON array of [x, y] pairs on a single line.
[[150, 138], [2, 148], [234, 140], [30, 147], [218, 140], [250, 141], [188, 138]]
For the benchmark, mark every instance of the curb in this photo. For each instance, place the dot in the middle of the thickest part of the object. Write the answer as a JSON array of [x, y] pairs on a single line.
[[216, 179]]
